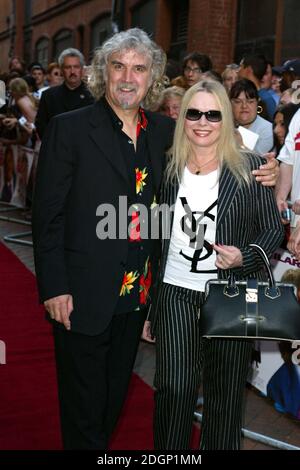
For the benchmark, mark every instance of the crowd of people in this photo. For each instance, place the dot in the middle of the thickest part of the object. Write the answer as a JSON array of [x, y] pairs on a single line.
[[128, 130]]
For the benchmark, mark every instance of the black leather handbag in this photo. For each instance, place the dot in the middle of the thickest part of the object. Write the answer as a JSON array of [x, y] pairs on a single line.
[[250, 309]]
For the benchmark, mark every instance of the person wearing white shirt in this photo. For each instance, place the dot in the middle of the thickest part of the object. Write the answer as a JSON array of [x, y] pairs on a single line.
[[288, 184], [219, 210]]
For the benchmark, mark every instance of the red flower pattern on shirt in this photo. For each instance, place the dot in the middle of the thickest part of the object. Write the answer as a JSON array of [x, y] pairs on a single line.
[[145, 282], [129, 279]]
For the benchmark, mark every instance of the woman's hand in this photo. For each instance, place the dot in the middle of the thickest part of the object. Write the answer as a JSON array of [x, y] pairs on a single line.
[[296, 206], [28, 127], [294, 242], [228, 256], [146, 334], [10, 123]]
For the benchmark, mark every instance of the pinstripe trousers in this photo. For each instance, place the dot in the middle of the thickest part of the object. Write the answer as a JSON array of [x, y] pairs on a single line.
[[181, 358]]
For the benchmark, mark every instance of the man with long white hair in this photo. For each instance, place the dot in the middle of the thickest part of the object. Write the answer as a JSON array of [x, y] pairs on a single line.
[[94, 284]]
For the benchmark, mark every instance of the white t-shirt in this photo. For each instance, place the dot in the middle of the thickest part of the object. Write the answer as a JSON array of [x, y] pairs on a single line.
[[191, 258], [290, 154]]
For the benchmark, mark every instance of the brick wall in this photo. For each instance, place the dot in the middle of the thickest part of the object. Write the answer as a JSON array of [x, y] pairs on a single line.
[[163, 24], [5, 11], [79, 15], [39, 6], [211, 28], [48, 18], [212, 25], [4, 53]]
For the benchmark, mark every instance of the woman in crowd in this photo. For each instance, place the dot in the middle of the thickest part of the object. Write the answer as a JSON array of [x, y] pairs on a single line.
[[282, 119], [219, 210], [244, 99], [230, 75], [171, 101], [23, 112], [25, 103], [54, 76]]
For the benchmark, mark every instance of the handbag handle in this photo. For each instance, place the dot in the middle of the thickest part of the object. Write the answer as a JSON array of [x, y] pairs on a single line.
[[263, 256], [266, 261]]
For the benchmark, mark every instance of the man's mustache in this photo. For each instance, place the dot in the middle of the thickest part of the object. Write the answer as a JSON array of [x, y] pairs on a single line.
[[127, 86]]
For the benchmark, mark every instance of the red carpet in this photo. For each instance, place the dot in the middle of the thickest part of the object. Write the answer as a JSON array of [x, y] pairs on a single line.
[[134, 431], [28, 395]]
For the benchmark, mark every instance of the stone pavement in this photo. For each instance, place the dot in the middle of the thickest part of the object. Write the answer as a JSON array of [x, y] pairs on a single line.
[[260, 415]]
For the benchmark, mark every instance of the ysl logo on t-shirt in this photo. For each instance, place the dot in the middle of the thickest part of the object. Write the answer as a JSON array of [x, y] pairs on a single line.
[[195, 230]]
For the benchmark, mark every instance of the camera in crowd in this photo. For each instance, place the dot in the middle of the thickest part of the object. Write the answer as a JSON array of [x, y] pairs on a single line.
[[286, 214]]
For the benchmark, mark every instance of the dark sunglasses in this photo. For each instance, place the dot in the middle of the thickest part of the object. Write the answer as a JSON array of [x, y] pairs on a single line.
[[212, 115]]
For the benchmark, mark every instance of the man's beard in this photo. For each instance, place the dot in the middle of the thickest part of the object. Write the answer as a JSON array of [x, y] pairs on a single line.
[[124, 102]]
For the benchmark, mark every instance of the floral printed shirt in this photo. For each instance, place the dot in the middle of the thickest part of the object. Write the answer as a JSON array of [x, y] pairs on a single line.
[[137, 277]]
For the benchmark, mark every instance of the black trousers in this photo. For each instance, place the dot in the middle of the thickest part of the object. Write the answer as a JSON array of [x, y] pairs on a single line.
[[93, 374], [181, 356]]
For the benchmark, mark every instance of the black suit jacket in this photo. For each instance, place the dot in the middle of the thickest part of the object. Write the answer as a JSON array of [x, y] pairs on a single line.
[[80, 167], [57, 100], [245, 214]]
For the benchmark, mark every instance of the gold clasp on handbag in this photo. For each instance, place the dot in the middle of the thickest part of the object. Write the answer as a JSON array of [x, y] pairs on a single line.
[[251, 295]]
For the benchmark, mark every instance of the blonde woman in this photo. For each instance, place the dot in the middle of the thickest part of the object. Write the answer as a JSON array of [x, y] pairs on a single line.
[[171, 101], [230, 76], [219, 210], [25, 103], [54, 75]]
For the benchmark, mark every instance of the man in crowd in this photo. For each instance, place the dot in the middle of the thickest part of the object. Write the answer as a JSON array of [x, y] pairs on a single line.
[[38, 73], [288, 184], [94, 282], [72, 94]]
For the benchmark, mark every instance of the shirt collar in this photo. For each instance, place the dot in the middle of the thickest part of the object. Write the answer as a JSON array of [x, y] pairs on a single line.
[[118, 123], [142, 122], [71, 90]]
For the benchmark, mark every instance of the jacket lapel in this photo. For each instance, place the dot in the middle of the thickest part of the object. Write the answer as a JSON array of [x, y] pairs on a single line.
[[102, 133], [227, 188], [154, 153], [168, 196]]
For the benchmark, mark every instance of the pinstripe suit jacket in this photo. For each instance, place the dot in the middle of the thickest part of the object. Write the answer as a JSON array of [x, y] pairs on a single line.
[[245, 214]]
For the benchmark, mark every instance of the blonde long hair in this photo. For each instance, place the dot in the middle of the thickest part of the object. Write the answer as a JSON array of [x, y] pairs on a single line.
[[20, 88], [227, 148]]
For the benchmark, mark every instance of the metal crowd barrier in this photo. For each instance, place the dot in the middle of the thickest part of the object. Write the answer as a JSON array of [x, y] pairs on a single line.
[[255, 436], [20, 162]]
